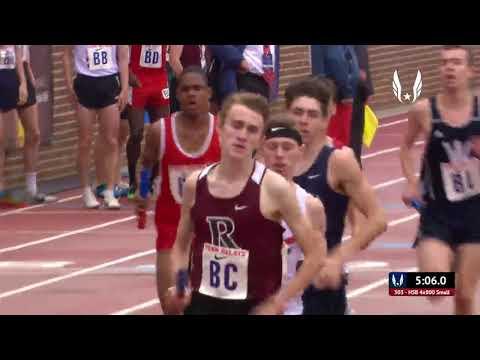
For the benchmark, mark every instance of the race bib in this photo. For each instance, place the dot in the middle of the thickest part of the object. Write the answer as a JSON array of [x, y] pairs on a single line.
[[151, 56], [7, 59], [463, 183], [177, 174], [224, 272], [100, 58]]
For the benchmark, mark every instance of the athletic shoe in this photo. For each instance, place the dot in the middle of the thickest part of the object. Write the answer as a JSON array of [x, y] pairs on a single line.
[[132, 191], [111, 201], [90, 200]]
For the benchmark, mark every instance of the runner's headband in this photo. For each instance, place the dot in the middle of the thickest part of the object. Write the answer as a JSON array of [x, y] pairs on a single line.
[[284, 132]]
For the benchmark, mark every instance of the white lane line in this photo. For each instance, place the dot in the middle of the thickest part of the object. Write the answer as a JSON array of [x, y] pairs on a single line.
[[74, 274], [392, 123], [374, 285], [18, 211], [69, 199], [67, 234], [365, 265], [388, 183], [28, 265], [387, 151], [404, 220], [138, 307]]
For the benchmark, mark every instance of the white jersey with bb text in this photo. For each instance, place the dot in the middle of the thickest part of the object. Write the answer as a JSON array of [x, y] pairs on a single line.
[[96, 60]]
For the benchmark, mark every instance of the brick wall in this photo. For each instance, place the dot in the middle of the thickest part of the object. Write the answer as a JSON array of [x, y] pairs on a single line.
[[295, 63]]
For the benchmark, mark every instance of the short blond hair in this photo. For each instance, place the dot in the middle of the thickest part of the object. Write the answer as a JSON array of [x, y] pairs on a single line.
[[254, 102]]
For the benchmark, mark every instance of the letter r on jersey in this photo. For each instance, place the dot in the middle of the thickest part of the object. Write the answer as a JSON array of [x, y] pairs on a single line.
[[221, 231]]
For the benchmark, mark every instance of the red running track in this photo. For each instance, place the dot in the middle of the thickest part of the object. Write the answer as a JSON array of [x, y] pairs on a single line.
[[62, 259]]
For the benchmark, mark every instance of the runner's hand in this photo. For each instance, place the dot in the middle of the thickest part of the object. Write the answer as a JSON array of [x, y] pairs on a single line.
[[22, 94], [141, 203], [122, 99], [174, 304], [271, 306], [73, 95], [331, 275], [410, 194], [133, 80]]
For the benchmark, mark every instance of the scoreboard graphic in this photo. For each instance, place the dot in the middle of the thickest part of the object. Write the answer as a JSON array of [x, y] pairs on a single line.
[[421, 284]]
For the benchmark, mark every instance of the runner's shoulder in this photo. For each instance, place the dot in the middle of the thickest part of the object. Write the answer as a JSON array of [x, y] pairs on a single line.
[[421, 107], [274, 183], [344, 165], [343, 155]]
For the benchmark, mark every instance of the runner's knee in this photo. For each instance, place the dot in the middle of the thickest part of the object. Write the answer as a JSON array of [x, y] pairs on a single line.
[[85, 142], [110, 142], [32, 137], [136, 135]]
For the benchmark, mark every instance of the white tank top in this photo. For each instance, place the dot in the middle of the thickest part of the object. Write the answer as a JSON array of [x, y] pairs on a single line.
[[7, 57], [96, 60], [292, 254]]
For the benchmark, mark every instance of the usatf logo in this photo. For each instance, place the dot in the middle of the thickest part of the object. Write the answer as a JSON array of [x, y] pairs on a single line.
[[398, 280], [397, 88]]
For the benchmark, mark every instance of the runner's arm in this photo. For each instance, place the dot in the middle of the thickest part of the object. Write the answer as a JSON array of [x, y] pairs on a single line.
[[315, 212], [19, 64], [23, 93], [29, 67], [151, 152], [355, 218], [354, 184], [414, 129], [123, 59], [175, 54]]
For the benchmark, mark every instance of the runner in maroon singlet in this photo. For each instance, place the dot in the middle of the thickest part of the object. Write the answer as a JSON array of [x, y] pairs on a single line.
[[229, 234]]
